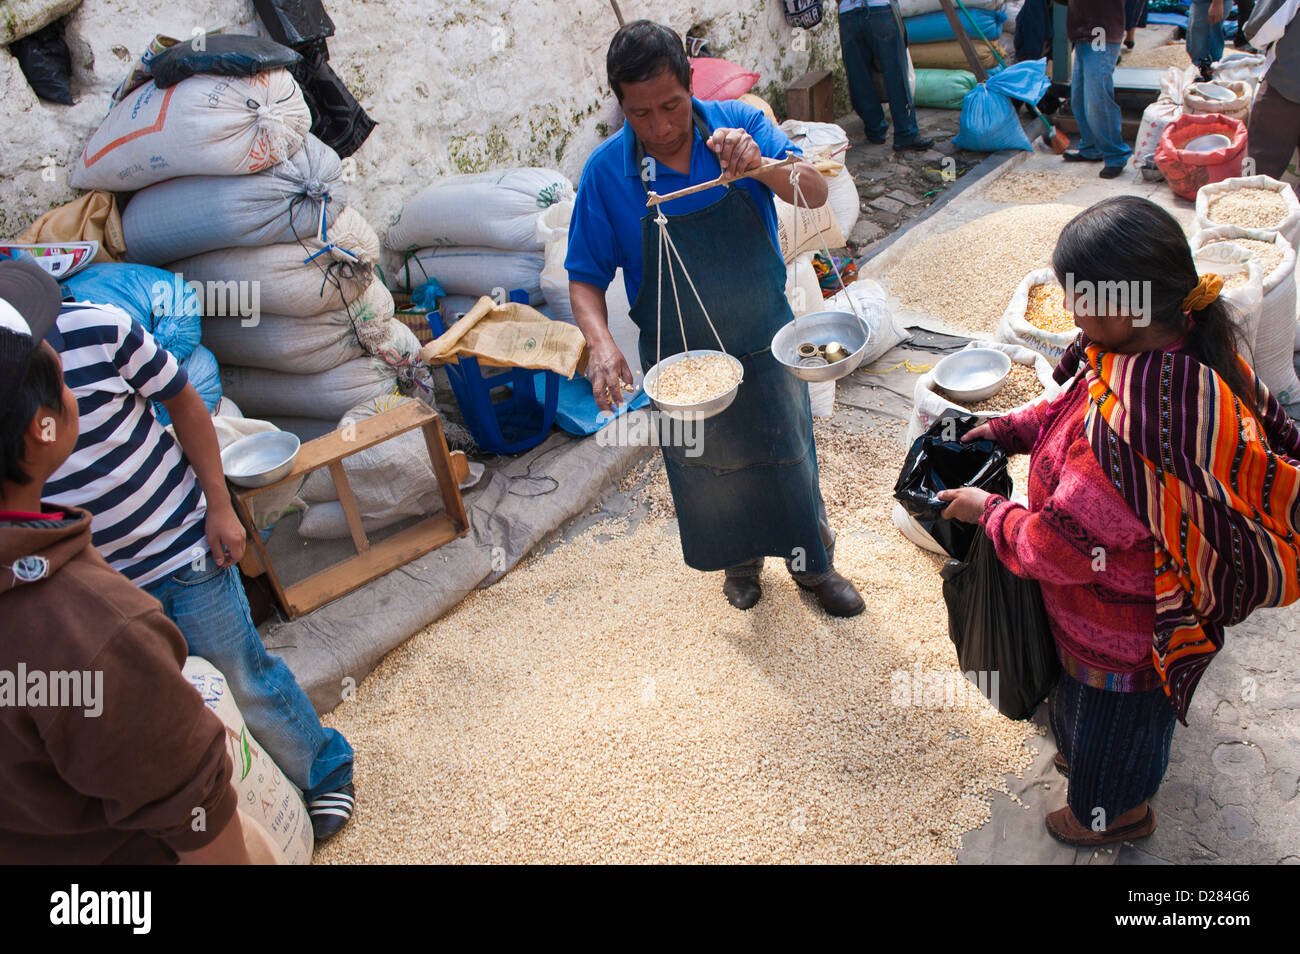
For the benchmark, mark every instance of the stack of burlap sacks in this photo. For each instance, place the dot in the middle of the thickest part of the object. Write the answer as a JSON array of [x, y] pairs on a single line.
[[241, 199]]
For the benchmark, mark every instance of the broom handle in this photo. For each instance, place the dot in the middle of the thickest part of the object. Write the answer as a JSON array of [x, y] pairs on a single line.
[[1051, 130], [963, 40]]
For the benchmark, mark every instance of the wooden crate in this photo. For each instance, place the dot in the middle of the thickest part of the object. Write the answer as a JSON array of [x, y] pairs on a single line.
[[811, 98]]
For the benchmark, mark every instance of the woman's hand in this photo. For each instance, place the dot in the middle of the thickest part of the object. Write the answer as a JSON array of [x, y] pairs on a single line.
[[981, 433], [610, 377], [736, 151], [966, 504]]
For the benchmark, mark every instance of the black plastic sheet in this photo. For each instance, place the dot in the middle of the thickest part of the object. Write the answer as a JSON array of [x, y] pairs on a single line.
[[337, 119], [292, 22], [222, 55], [46, 62]]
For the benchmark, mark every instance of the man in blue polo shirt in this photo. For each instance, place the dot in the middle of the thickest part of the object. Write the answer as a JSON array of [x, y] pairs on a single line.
[[749, 488]]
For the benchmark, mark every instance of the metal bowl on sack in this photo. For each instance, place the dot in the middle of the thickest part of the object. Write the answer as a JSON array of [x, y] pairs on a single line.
[[260, 459], [974, 374], [1214, 91], [703, 409], [1208, 143], [822, 330]]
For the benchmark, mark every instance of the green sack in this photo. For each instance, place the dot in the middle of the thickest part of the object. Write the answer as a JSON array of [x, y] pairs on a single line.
[[943, 89]]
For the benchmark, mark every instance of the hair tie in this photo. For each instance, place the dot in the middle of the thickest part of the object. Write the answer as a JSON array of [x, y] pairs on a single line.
[[1207, 290]]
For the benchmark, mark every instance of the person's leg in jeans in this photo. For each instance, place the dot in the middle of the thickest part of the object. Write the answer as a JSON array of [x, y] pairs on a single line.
[[1104, 121], [855, 43], [211, 611], [1204, 39], [1273, 133], [1079, 104], [891, 55]]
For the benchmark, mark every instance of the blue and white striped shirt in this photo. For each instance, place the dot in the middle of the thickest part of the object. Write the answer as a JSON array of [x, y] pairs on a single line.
[[146, 504]]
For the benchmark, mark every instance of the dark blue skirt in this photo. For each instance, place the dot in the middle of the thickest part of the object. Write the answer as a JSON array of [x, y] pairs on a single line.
[[1116, 745]]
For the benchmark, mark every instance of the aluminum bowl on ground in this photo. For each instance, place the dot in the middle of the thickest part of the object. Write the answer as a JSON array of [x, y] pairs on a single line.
[[974, 374], [693, 412], [822, 328], [260, 459]]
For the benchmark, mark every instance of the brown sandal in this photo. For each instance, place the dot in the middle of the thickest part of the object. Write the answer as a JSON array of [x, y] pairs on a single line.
[[1058, 763], [1058, 824]]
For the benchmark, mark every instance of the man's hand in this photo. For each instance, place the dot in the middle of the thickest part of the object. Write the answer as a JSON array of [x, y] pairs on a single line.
[[736, 151], [226, 536], [610, 377], [966, 504], [1216, 11]]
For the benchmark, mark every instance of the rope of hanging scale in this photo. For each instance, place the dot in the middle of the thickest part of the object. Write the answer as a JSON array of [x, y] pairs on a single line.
[[661, 220], [798, 203]]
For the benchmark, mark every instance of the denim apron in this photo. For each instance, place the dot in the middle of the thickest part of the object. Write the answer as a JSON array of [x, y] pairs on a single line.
[[752, 491]]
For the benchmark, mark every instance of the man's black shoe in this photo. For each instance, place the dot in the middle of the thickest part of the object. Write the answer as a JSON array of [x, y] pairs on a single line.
[[1074, 155], [837, 595], [916, 145], [1111, 172], [742, 592]]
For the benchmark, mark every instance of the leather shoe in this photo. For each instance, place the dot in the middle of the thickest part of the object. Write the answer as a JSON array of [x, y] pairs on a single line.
[[742, 592], [837, 595], [916, 145]]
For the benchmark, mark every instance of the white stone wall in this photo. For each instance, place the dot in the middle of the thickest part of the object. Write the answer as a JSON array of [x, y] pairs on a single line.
[[455, 87]]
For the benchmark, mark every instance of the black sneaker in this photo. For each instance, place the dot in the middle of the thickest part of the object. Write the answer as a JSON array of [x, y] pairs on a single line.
[[1111, 172], [331, 811], [1074, 155], [916, 145]]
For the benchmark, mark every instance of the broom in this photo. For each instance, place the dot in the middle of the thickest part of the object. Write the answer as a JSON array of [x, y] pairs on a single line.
[[1058, 140]]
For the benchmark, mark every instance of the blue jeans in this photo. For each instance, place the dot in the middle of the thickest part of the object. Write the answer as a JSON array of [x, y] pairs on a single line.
[[872, 36], [1092, 101], [211, 611], [1204, 38]]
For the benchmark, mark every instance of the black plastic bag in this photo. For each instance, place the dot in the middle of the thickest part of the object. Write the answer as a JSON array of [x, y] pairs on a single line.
[[938, 460], [222, 55], [337, 119], [46, 62], [998, 625], [292, 22]]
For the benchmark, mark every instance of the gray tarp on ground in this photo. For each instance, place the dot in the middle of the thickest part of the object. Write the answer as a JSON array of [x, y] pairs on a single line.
[[511, 509]]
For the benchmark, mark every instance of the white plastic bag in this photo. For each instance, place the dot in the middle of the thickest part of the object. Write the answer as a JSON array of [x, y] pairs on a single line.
[[802, 289], [1014, 329], [204, 125], [872, 302], [928, 405]]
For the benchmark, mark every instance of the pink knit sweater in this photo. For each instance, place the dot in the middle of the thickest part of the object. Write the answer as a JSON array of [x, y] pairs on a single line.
[[1089, 552]]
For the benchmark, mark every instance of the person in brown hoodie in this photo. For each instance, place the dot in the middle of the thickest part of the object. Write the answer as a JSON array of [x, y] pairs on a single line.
[[108, 753]]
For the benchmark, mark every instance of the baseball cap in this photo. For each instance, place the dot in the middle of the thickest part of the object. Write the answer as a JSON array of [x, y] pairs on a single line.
[[30, 301]]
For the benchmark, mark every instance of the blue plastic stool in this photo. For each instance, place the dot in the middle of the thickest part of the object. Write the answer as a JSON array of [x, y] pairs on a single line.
[[511, 425]]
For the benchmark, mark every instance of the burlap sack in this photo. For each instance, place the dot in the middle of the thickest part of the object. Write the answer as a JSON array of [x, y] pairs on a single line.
[[92, 217], [509, 336]]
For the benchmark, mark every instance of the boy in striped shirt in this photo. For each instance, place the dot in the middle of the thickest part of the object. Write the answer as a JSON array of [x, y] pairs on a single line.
[[164, 520]]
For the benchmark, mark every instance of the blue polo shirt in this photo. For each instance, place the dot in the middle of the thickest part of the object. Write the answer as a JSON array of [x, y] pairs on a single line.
[[605, 232]]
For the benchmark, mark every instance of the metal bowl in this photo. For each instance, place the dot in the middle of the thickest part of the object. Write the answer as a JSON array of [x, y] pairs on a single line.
[[260, 459], [692, 412], [1214, 91], [974, 374], [821, 328], [1208, 143]]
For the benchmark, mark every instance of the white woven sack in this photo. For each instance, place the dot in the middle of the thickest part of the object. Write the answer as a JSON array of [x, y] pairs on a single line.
[[828, 141], [1289, 226], [271, 809], [816, 227], [1014, 329], [195, 214], [327, 395], [1237, 108], [319, 342], [294, 278], [928, 405], [1246, 300], [391, 480], [490, 209], [476, 271], [553, 232], [1247, 67], [802, 289], [203, 126]]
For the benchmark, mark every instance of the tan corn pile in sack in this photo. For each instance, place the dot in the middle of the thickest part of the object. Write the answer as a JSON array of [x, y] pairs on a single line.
[[512, 335]]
